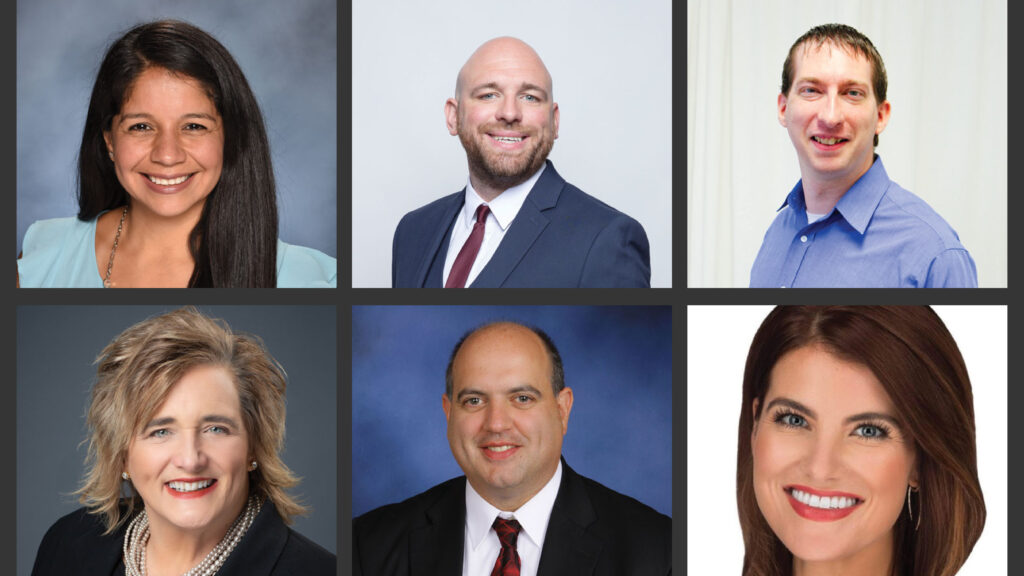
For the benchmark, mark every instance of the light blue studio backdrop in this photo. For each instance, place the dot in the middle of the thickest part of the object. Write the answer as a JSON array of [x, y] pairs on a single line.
[[287, 50], [618, 361]]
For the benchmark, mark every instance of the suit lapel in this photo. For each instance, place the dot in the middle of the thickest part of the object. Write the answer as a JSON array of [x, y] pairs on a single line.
[[523, 231], [568, 548], [435, 549], [436, 240]]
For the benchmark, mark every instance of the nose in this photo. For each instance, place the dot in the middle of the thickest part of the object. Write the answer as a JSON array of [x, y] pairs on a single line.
[[497, 418], [189, 454], [509, 111], [167, 149], [824, 459], [831, 114]]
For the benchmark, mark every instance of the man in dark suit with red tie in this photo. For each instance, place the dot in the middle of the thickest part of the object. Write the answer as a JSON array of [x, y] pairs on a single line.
[[517, 223], [520, 510]]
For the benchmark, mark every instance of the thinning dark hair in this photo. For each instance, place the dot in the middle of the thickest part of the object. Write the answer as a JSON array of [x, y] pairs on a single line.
[[914, 357], [848, 38], [234, 244], [557, 371]]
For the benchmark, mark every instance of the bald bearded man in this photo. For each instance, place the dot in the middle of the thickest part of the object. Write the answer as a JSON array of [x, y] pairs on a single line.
[[517, 223]]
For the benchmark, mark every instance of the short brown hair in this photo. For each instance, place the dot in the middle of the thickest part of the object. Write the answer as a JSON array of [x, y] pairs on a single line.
[[135, 374], [848, 38], [917, 362], [557, 370]]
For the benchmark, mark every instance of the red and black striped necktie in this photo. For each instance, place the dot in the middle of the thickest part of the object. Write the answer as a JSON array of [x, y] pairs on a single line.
[[508, 561]]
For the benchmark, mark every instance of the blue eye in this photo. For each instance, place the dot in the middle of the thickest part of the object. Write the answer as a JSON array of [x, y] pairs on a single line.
[[218, 429], [871, 431], [159, 433], [790, 420]]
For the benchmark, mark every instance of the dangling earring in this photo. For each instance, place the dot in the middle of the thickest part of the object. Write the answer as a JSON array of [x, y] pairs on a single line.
[[910, 509]]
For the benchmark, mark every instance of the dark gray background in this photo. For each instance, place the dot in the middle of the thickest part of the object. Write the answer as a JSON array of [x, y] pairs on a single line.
[[287, 50], [56, 347]]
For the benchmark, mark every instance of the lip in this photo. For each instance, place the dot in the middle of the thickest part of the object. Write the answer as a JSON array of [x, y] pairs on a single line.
[[159, 189], [499, 456], [189, 495], [825, 147], [492, 136], [821, 514]]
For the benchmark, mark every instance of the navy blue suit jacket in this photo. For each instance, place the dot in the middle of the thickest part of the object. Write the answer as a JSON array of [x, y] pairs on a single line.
[[592, 531], [561, 238]]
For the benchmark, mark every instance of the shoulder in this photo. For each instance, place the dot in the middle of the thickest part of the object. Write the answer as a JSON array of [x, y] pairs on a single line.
[[402, 515], [916, 213], [303, 556], [77, 542], [302, 267], [587, 209], [430, 213], [624, 512], [59, 252]]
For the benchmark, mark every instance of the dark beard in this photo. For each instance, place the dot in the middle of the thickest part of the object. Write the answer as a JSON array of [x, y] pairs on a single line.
[[502, 173]]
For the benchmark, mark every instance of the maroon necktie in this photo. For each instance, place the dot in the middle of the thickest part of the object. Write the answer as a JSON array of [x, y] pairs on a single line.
[[464, 261], [508, 533]]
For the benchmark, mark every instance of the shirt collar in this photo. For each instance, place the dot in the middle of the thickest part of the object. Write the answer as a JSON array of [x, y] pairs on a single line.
[[858, 204], [505, 206], [532, 516]]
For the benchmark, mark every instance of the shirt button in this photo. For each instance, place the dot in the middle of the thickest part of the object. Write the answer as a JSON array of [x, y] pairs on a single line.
[[803, 238]]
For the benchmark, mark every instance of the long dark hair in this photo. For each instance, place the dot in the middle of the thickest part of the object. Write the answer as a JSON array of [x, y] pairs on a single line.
[[234, 244], [916, 360]]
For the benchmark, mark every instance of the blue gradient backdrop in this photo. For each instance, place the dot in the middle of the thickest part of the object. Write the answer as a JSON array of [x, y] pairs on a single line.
[[618, 361], [287, 50]]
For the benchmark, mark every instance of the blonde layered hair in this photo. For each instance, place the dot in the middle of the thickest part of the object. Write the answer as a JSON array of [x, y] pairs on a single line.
[[136, 372]]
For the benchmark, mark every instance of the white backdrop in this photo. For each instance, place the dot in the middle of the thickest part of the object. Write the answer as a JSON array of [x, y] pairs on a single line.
[[612, 71], [718, 339], [946, 140]]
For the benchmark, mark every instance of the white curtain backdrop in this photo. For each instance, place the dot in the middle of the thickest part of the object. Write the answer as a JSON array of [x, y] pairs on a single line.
[[946, 140]]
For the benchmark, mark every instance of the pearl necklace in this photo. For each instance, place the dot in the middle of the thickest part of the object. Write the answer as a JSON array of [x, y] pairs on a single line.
[[137, 536]]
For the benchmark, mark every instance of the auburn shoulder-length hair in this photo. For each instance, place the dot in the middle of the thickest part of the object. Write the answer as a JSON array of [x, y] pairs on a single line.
[[234, 244], [135, 374], [917, 362]]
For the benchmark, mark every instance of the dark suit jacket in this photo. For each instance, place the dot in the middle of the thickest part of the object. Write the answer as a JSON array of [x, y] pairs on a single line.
[[593, 531], [561, 238], [75, 545]]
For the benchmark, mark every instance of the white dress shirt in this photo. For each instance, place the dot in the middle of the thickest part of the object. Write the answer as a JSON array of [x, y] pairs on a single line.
[[481, 547], [503, 210]]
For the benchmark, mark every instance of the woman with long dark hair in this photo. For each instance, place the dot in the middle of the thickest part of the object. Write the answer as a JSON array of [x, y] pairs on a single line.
[[175, 182], [857, 446]]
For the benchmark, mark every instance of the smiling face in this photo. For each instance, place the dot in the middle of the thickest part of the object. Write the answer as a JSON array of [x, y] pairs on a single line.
[[832, 114], [505, 425], [503, 114], [189, 462], [167, 144], [828, 430]]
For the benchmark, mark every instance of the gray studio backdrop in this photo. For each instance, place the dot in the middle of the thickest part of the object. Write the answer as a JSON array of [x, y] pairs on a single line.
[[56, 348], [617, 360], [611, 63], [287, 50]]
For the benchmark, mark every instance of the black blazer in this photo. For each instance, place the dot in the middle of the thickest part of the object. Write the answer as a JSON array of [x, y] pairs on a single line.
[[75, 545], [593, 531]]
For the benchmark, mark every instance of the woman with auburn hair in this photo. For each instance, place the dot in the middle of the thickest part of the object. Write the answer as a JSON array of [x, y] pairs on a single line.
[[857, 445], [183, 473], [175, 181]]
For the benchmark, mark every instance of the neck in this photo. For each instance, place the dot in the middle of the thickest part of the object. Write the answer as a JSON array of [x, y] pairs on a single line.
[[822, 194], [151, 233], [874, 560], [173, 551], [486, 190]]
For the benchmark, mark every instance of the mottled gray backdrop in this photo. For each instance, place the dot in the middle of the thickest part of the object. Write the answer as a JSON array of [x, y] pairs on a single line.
[[287, 50], [56, 347]]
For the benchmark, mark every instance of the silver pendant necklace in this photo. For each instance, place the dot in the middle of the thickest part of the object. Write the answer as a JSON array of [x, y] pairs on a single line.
[[137, 536], [117, 237]]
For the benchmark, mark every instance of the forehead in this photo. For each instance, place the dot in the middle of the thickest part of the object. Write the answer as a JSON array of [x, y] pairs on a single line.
[[165, 89], [505, 64], [830, 61], [203, 389], [826, 383], [501, 356]]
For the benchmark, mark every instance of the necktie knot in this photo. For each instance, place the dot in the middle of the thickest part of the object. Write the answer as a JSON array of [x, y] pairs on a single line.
[[508, 534], [481, 213]]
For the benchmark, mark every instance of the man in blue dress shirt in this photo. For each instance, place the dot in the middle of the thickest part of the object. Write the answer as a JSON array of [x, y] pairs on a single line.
[[845, 223]]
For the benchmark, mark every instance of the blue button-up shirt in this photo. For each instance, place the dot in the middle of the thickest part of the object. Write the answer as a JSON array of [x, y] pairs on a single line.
[[879, 235]]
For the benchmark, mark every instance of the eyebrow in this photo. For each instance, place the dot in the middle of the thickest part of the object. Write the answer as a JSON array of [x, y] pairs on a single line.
[[207, 419], [844, 83], [522, 88], [518, 389], [144, 115], [849, 419]]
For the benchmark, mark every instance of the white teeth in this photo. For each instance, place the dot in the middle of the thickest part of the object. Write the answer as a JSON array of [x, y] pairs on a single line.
[[189, 486], [827, 141], [500, 448], [824, 502], [508, 139], [170, 182]]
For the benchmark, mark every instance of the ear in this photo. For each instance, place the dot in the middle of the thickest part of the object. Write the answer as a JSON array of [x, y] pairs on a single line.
[[110, 142], [554, 114], [446, 405], [884, 110], [564, 402], [783, 101], [451, 116], [753, 416]]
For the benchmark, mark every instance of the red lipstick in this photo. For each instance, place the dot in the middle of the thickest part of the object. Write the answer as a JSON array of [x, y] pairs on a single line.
[[192, 494], [821, 514]]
